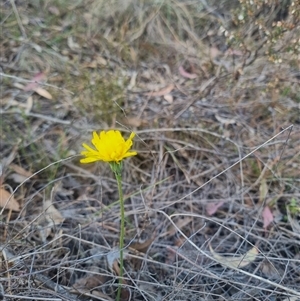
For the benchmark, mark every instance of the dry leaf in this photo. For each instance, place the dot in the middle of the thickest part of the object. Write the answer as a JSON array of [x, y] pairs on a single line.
[[231, 51], [101, 60], [143, 246], [93, 64], [17, 178], [267, 216], [113, 257], [20, 170], [212, 208], [180, 223], [34, 86], [48, 220], [29, 105], [225, 121], [93, 294], [133, 121], [36, 47], [132, 83], [51, 213], [214, 52], [54, 10], [235, 261], [72, 45], [37, 78], [6, 161], [168, 98], [97, 295], [8, 201], [90, 281], [161, 92], [269, 269], [18, 86], [186, 74], [43, 92], [263, 190]]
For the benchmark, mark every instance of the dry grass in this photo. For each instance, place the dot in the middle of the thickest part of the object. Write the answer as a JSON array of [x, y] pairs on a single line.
[[212, 90]]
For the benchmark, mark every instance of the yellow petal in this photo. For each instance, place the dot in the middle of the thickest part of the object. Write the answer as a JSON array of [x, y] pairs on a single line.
[[132, 135], [89, 149], [110, 146], [88, 160], [129, 154]]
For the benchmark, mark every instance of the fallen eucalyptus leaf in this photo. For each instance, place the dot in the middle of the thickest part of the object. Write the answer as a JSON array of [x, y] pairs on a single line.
[[235, 261], [7, 201]]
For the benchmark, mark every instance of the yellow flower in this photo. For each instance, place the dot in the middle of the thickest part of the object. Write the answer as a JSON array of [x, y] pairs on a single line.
[[110, 147]]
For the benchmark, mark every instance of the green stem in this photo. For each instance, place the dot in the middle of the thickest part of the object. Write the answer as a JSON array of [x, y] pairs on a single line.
[[122, 230]]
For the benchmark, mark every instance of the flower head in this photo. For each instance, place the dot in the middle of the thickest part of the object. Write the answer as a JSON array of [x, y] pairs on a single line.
[[110, 146]]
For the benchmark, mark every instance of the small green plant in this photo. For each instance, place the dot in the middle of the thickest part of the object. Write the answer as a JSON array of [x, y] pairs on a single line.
[[294, 207]]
